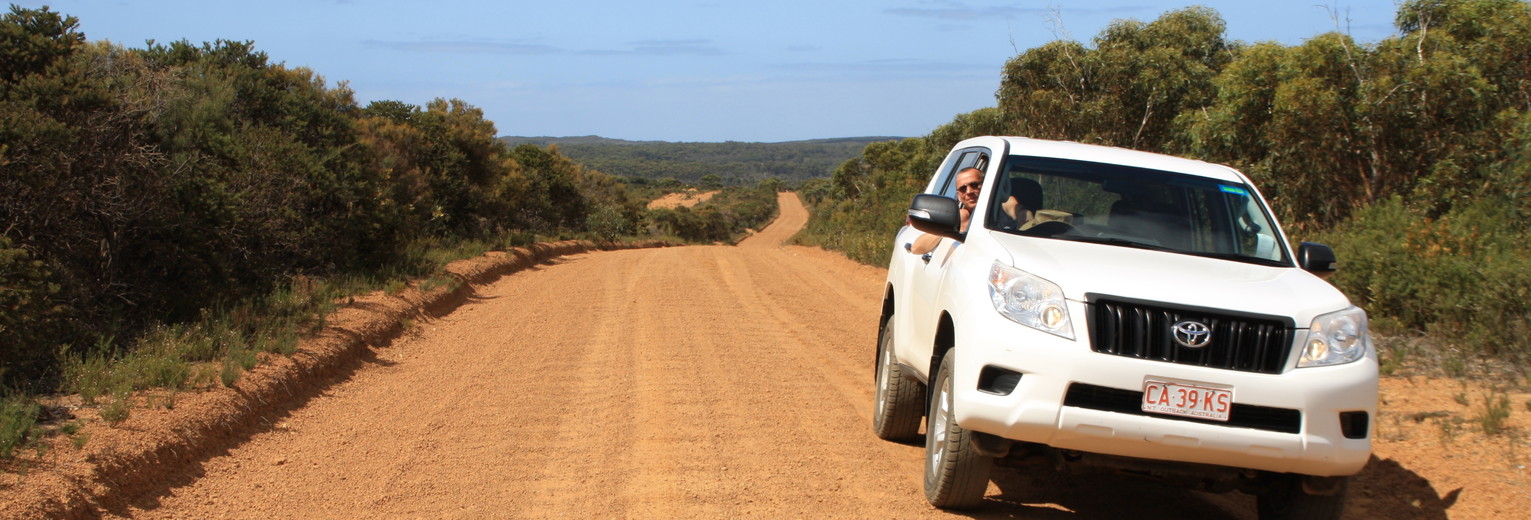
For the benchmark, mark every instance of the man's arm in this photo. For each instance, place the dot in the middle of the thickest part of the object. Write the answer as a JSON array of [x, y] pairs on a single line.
[[925, 243]]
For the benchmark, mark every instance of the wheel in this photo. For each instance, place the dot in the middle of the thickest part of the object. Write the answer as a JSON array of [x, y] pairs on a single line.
[[1287, 500], [956, 475], [900, 399]]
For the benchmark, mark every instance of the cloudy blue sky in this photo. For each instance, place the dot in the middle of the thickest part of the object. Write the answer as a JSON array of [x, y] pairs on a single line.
[[683, 70]]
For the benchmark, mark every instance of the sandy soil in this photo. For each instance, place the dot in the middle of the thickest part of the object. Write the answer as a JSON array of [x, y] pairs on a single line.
[[688, 198], [701, 382]]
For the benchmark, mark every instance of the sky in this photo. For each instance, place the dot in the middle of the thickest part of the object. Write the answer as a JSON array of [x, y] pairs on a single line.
[[683, 70]]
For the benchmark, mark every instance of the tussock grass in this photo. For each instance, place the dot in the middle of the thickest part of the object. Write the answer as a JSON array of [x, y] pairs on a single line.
[[18, 414], [224, 343], [451, 283], [1494, 413]]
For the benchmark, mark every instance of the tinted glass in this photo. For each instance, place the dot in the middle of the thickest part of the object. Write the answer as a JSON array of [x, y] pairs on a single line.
[[1133, 207]]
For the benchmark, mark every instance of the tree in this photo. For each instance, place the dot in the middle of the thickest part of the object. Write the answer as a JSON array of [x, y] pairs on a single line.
[[1127, 90]]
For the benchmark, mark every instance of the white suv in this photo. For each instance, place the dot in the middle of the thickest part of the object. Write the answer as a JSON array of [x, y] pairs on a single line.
[[1124, 310]]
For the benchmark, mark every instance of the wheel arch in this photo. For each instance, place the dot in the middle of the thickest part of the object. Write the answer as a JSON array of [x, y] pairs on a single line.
[[945, 339], [882, 319], [887, 305]]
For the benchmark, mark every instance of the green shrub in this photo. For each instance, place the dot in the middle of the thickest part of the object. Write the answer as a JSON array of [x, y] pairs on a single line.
[[1464, 277], [89, 374], [29, 314], [1495, 412], [17, 415], [723, 218], [119, 408], [608, 222]]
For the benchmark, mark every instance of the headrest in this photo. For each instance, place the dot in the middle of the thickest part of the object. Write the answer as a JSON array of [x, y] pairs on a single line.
[[1027, 192]]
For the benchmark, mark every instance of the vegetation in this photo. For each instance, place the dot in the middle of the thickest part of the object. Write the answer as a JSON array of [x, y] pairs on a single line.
[[725, 217], [730, 163], [1411, 156], [168, 215]]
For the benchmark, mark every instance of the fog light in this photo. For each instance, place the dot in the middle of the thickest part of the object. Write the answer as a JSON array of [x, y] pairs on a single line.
[[998, 381], [1354, 425]]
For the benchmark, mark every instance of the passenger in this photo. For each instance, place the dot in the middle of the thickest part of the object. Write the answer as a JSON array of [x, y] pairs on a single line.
[[1025, 200], [969, 183]]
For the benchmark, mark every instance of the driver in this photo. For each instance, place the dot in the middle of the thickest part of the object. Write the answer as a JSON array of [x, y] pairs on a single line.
[[969, 183]]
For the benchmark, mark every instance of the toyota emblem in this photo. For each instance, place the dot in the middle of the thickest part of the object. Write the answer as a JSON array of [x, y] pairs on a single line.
[[1192, 334]]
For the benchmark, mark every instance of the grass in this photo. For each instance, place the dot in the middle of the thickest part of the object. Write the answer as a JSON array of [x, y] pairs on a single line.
[[1454, 366], [1494, 414], [118, 408], [1449, 429], [394, 287], [17, 416], [1392, 362], [76, 437], [235, 364], [225, 343], [451, 283]]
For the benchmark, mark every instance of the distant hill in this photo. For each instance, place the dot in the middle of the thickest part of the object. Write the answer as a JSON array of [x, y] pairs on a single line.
[[736, 163]]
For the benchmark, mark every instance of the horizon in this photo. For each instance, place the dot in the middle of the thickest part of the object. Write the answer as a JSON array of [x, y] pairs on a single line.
[[681, 71]]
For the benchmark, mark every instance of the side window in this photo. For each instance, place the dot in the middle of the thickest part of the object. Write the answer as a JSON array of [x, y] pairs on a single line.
[[970, 158]]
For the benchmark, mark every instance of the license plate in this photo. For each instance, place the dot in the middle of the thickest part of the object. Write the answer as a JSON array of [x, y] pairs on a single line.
[[1187, 400]]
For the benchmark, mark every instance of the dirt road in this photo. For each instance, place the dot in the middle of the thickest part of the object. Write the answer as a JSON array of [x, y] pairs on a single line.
[[711, 382]]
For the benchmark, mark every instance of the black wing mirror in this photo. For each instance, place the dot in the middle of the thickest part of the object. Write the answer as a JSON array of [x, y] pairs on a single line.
[[936, 215], [1317, 258]]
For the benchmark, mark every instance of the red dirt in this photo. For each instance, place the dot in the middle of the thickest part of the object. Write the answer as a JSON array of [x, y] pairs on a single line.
[[700, 381], [687, 198]]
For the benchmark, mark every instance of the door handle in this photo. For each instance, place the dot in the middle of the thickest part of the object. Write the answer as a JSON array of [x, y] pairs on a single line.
[[909, 246]]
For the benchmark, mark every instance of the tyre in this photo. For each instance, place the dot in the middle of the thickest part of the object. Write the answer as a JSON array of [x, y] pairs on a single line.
[[1287, 500], [956, 475], [899, 404]]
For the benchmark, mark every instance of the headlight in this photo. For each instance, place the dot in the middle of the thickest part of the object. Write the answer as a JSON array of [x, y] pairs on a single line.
[[1336, 338], [1029, 301]]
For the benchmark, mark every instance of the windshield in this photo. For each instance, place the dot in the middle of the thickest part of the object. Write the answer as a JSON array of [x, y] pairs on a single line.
[[1133, 207]]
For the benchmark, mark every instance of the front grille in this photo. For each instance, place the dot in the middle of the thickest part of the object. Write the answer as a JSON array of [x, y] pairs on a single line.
[[1106, 399], [1143, 331]]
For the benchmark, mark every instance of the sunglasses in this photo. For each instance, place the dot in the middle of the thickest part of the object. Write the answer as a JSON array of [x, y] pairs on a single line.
[[971, 186]]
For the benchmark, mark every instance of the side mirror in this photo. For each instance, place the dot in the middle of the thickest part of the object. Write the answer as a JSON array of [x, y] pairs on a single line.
[[1317, 259], [936, 215]]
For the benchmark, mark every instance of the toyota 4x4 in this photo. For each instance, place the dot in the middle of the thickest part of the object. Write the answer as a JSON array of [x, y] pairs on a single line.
[[1120, 310]]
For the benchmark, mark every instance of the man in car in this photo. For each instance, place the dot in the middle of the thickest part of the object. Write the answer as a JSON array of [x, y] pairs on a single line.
[[969, 183]]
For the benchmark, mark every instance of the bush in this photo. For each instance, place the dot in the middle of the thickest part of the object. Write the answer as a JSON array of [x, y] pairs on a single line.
[[1465, 277], [17, 415], [723, 218]]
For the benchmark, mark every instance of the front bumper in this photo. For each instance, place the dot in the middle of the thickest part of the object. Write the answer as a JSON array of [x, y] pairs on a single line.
[[1034, 411]]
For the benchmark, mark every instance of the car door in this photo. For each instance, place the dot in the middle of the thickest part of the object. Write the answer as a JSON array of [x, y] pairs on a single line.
[[925, 272]]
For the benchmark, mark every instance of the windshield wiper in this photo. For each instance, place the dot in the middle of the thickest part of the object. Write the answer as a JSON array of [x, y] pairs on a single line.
[[1242, 258], [1114, 241]]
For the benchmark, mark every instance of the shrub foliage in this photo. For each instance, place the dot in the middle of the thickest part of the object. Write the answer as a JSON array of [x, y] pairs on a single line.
[[727, 217], [142, 187]]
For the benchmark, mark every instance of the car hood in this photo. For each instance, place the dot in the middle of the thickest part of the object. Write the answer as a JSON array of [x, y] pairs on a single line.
[[1084, 270]]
